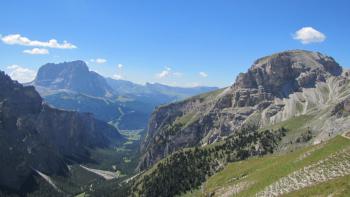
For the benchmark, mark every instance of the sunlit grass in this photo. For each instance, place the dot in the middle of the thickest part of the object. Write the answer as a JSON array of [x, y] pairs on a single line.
[[263, 171]]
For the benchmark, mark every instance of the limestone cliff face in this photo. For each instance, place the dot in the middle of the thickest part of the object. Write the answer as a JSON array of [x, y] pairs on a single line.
[[281, 74], [36, 136], [72, 76], [275, 88]]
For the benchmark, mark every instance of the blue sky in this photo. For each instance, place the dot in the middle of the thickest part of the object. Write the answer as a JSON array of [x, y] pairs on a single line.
[[179, 42]]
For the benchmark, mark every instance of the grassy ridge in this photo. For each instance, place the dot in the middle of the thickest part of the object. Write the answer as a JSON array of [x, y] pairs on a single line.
[[254, 174]]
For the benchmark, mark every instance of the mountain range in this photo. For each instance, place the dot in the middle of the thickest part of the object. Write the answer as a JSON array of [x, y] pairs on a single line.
[[276, 88], [282, 129], [292, 101], [72, 86], [36, 138]]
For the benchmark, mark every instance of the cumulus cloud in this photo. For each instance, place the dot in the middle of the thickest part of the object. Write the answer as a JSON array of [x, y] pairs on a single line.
[[167, 72], [203, 74], [36, 51], [117, 77], [98, 60], [164, 73], [17, 39], [21, 74], [120, 66], [307, 35]]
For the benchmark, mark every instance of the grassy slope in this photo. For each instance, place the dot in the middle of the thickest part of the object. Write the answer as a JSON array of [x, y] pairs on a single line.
[[296, 127], [256, 173]]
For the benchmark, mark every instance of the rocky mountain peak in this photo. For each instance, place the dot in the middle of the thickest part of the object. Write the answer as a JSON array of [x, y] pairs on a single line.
[[274, 89], [35, 136], [283, 73], [52, 71], [18, 99], [73, 76]]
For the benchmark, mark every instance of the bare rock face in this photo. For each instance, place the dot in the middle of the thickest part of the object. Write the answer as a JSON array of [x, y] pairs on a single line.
[[72, 86], [342, 109], [72, 76], [256, 96], [36, 136], [281, 74]]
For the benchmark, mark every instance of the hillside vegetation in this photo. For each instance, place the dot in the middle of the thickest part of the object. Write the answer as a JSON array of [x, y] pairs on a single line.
[[187, 169], [308, 89], [318, 169]]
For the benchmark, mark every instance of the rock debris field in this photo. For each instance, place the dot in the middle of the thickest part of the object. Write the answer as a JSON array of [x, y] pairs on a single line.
[[335, 165]]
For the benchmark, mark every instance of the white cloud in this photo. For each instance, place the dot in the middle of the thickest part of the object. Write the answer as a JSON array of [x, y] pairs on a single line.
[[165, 73], [203, 74], [14, 39], [117, 76], [13, 66], [21, 74], [307, 35], [36, 51], [98, 60], [120, 66]]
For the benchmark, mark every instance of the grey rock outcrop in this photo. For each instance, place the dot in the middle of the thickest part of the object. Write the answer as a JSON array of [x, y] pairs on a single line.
[[74, 76], [274, 89], [36, 136]]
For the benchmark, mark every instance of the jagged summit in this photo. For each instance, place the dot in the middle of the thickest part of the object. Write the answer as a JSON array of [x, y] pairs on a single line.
[[285, 72], [276, 88], [51, 71], [35, 136], [18, 98], [302, 60], [74, 76]]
